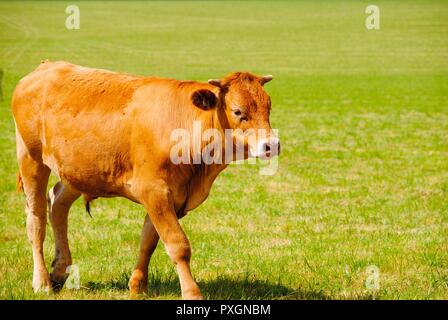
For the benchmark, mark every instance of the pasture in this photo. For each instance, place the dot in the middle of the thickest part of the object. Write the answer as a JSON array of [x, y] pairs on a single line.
[[362, 180]]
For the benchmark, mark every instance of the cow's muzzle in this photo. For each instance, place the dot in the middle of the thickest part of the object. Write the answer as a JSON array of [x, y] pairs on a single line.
[[268, 148]]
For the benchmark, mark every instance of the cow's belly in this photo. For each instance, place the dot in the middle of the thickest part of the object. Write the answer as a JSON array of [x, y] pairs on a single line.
[[93, 169], [90, 179], [89, 152]]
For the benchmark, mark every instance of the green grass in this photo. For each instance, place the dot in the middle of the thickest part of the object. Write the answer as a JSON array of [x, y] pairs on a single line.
[[362, 180]]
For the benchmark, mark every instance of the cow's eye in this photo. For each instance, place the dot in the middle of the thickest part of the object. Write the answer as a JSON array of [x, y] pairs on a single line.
[[239, 114]]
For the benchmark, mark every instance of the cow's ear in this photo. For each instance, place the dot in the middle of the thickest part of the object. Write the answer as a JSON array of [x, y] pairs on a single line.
[[204, 99]]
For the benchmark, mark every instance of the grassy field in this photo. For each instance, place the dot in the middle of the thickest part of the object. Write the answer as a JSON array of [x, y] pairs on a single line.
[[362, 180]]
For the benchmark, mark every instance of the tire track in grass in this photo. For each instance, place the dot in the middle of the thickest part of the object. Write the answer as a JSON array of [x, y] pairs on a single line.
[[15, 53]]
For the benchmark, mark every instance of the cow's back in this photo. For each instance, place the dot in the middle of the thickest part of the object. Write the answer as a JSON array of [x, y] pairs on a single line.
[[78, 120], [65, 87]]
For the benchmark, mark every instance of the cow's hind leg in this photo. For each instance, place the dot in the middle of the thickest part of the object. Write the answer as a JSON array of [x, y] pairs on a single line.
[[60, 199], [34, 175], [148, 243]]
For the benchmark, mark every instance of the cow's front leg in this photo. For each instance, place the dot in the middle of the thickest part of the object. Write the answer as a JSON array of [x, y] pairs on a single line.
[[158, 202], [148, 243]]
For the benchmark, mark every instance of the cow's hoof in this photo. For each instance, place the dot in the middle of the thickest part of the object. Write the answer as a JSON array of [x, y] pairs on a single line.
[[192, 295], [137, 290], [57, 282], [138, 296], [41, 283], [138, 285]]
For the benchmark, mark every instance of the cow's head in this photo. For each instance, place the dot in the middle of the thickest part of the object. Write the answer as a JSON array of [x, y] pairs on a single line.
[[245, 107]]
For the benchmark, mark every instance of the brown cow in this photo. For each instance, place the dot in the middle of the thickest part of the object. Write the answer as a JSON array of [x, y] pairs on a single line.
[[107, 134]]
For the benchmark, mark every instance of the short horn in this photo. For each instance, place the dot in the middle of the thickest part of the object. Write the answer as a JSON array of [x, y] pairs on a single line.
[[266, 79]]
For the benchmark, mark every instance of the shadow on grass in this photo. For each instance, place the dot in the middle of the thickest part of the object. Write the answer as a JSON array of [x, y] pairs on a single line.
[[221, 288]]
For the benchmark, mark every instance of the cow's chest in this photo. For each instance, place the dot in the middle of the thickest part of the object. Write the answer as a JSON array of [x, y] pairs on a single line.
[[199, 187]]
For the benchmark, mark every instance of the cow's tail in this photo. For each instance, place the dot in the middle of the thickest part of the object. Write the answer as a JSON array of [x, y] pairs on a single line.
[[87, 201], [19, 183]]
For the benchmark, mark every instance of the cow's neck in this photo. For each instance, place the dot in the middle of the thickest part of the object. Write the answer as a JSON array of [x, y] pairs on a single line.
[[203, 175]]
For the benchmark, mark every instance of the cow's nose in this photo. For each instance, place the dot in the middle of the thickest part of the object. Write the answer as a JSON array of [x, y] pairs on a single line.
[[271, 147]]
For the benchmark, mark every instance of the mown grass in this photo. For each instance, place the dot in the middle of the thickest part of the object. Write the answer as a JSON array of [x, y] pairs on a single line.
[[363, 175]]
